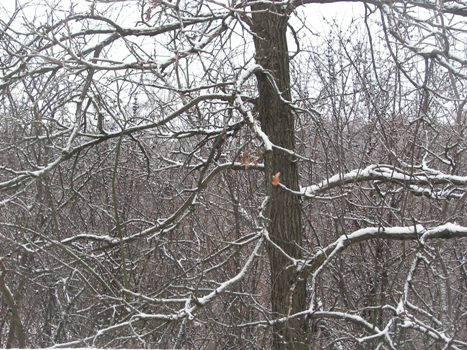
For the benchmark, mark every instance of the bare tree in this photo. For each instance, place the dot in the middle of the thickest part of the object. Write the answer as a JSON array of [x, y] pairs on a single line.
[[174, 175]]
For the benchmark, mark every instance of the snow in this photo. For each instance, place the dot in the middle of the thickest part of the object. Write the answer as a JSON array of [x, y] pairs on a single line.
[[254, 124], [384, 172]]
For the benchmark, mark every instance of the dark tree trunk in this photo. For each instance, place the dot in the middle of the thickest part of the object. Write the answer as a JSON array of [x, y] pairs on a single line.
[[288, 295], [16, 333]]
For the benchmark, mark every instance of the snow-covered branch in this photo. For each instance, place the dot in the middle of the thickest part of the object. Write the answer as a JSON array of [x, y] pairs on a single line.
[[386, 173], [417, 232]]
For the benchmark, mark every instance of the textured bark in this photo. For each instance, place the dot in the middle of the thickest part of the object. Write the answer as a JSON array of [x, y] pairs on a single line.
[[288, 295], [16, 332]]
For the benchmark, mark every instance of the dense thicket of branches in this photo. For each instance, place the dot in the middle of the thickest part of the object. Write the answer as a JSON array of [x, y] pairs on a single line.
[[228, 174]]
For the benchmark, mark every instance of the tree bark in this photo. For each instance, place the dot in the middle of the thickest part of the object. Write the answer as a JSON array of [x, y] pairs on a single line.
[[16, 326], [288, 295]]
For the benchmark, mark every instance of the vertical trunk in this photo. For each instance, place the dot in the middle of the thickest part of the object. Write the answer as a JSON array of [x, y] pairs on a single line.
[[287, 295], [16, 333]]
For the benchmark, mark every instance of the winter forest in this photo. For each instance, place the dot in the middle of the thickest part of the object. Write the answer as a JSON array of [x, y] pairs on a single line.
[[233, 174]]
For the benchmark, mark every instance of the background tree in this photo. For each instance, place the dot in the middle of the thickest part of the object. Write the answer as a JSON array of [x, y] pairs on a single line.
[[174, 175]]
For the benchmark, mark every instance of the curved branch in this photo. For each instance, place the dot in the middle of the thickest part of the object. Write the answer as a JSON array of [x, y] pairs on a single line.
[[25, 176], [192, 303], [403, 233], [451, 7], [388, 173]]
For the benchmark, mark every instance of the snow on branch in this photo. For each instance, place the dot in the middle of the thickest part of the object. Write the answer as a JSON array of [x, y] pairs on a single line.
[[315, 264], [452, 7], [191, 304], [156, 229], [22, 177], [388, 173], [252, 122], [416, 232]]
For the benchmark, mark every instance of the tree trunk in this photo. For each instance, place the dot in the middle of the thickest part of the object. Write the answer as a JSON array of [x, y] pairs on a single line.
[[288, 295], [16, 332]]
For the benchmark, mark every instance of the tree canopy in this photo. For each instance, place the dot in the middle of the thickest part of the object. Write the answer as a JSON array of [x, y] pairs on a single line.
[[233, 174]]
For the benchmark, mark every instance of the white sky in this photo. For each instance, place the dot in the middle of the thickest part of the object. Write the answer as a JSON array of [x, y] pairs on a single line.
[[316, 14], [309, 19]]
